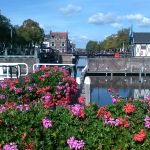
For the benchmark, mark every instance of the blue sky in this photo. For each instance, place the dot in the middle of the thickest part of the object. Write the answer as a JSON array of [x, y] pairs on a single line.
[[84, 20]]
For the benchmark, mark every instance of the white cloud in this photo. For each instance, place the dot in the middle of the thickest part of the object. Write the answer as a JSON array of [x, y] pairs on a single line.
[[117, 21], [140, 19], [70, 9], [102, 19], [116, 25]]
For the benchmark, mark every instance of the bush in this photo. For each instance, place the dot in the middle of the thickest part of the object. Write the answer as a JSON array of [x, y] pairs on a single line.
[[31, 125], [50, 84], [99, 128]]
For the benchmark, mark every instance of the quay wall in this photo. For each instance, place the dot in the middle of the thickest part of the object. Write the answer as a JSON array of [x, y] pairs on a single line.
[[29, 60], [66, 58], [32, 59], [116, 65]]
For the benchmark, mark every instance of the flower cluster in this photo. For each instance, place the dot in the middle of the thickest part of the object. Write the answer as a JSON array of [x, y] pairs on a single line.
[[3, 85], [77, 110], [81, 100], [24, 107], [147, 122], [2, 96], [75, 144], [116, 122], [123, 122], [147, 97], [51, 84], [47, 123], [10, 146], [140, 136], [47, 96], [2, 108], [102, 112], [115, 99], [29, 88], [10, 104], [129, 108], [106, 115]]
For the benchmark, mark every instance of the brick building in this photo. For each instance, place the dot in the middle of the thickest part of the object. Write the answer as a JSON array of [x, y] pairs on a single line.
[[58, 41]]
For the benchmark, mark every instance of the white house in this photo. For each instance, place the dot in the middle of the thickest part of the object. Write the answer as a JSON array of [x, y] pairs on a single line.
[[140, 44]]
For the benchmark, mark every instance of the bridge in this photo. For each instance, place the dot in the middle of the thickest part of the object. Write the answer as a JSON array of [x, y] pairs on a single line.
[[106, 54]]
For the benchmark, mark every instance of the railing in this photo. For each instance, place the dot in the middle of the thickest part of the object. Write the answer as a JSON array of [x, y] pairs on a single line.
[[12, 70]]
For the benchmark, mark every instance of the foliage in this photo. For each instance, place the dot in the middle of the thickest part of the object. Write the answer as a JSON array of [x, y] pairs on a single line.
[[17, 37], [36, 113], [91, 46], [31, 32], [5, 31], [114, 42], [40, 128], [53, 85]]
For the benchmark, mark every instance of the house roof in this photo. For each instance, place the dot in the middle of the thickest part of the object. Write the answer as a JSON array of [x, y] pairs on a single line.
[[141, 37], [61, 35]]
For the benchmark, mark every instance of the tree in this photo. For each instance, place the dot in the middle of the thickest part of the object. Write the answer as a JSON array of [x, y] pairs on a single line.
[[30, 33], [5, 32], [114, 42], [91, 46], [123, 38]]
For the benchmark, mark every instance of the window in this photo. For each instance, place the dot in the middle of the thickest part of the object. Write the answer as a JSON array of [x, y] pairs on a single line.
[[63, 44], [53, 44], [143, 46]]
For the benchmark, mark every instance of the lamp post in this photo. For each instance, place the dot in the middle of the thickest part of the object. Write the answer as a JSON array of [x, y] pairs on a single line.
[[11, 37]]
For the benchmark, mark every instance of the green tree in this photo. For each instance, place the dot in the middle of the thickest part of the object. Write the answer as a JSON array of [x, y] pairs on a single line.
[[91, 46], [30, 33], [123, 38], [5, 32], [116, 41]]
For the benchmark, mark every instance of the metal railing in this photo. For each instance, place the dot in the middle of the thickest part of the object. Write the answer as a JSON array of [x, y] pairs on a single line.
[[12, 70]]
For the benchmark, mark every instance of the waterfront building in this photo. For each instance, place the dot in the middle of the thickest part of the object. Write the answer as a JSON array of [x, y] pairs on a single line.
[[140, 44], [58, 41]]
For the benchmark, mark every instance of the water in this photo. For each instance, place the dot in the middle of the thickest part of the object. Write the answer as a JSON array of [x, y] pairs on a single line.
[[125, 87], [103, 88]]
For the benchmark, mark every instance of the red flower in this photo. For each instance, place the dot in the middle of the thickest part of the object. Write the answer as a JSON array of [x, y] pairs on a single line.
[[82, 113], [123, 122], [81, 99], [129, 108], [48, 104], [103, 113], [43, 90], [10, 104], [139, 137]]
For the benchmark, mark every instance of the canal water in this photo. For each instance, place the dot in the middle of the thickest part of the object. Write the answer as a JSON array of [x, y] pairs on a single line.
[[103, 88]]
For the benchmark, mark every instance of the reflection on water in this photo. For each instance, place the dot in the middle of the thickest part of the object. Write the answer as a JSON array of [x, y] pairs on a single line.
[[125, 87]]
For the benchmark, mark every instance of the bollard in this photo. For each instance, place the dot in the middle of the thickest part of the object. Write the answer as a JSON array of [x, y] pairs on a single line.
[[87, 83]]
